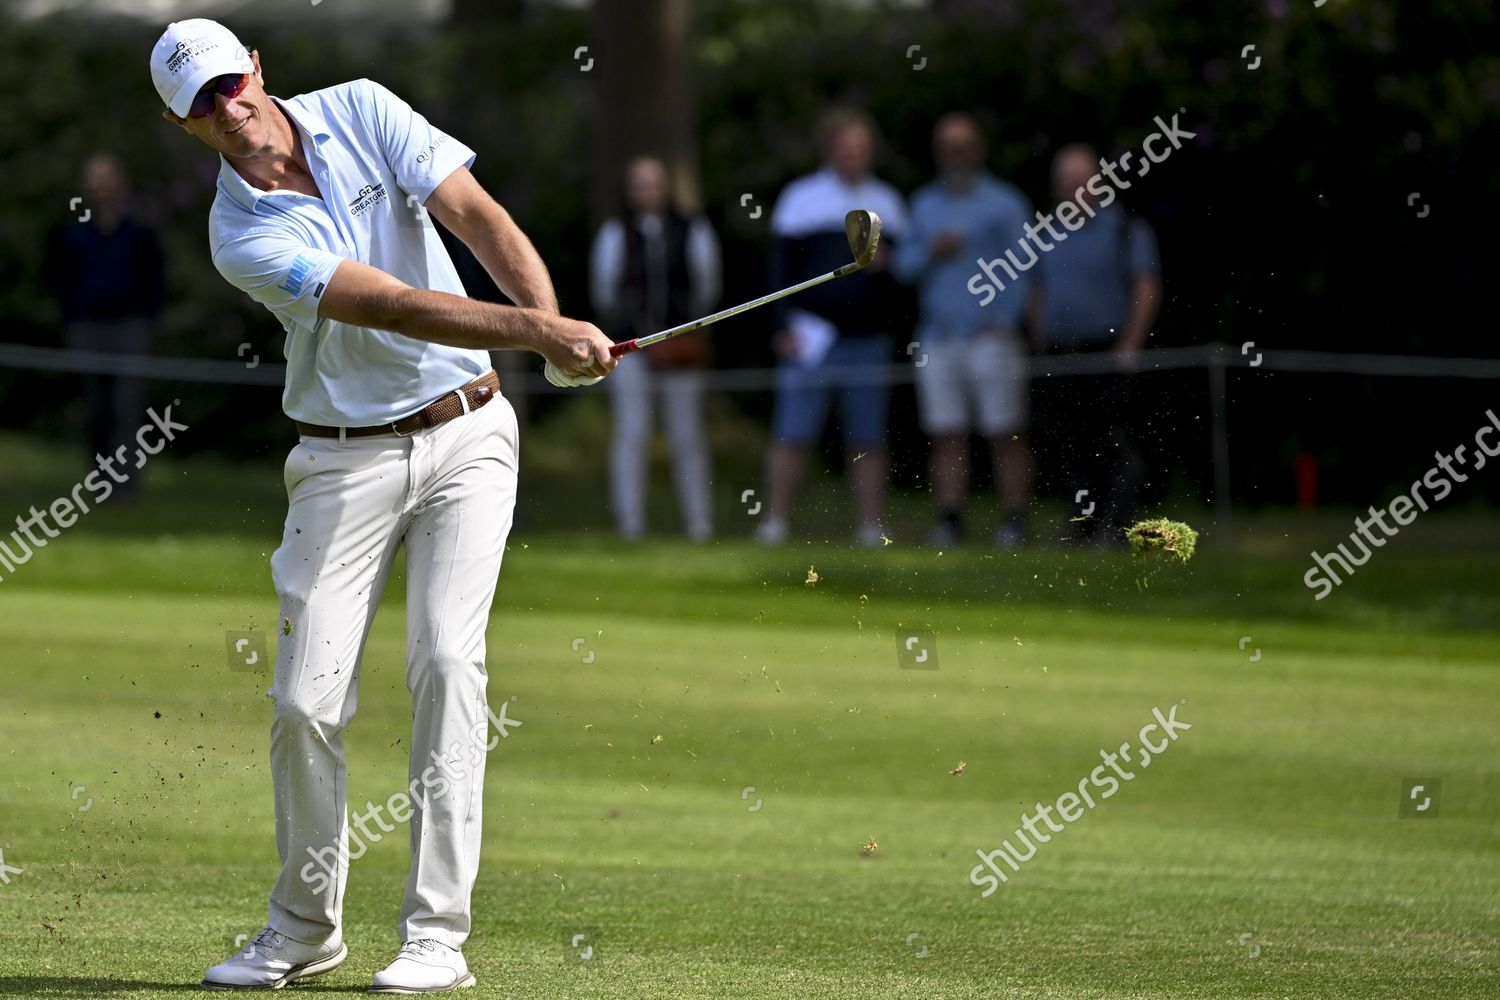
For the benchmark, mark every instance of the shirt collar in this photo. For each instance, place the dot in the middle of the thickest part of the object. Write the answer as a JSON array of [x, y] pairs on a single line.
[[833, 177], [982, 181], [303, 115]]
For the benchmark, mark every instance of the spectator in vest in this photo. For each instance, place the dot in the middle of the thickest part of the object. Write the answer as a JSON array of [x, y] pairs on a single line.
[[1100, 290], [653, 268], [836, 337], [105, 267], [970, 359]]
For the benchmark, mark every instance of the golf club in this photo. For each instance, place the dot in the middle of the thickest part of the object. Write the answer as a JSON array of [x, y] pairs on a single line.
[[861, 227]]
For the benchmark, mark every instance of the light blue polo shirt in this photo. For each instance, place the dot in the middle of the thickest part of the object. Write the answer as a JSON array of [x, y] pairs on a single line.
[[376, 161], [991, 216], [1087, 279]]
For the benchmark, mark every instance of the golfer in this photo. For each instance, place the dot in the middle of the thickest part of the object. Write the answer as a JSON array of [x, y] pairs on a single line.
[[321, 216]]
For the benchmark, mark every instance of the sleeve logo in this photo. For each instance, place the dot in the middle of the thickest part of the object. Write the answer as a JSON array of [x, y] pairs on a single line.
[[431, 150], [302, 266]]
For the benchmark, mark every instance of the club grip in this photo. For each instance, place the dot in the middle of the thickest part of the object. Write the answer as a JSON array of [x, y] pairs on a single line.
[[623, 348]]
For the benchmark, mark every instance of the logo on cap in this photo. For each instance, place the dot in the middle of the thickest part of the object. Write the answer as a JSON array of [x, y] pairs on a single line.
[[187, 49]]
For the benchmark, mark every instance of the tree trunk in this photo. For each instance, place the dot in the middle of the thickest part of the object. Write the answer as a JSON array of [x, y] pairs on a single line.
[[643, 102]]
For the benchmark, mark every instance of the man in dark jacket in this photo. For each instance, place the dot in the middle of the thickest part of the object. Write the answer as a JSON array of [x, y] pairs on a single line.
[[106, 270], [836, 336], [653, 268]]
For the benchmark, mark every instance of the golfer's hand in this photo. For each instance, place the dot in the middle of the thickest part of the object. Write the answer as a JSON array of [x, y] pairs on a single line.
[[576, 348]]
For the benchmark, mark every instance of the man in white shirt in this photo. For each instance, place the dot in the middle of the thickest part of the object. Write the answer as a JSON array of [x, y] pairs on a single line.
[[836, 337], [321, 216]]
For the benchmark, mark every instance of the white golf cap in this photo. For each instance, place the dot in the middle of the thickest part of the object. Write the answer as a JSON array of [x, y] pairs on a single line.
[[189, 54]]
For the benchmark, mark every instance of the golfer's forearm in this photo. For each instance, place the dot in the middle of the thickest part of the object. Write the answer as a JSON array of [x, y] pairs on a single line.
[[441, 318], [511, 260]]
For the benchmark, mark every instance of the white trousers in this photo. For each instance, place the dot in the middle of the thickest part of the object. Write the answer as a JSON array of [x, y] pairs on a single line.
[[632, 384], [449, 493]]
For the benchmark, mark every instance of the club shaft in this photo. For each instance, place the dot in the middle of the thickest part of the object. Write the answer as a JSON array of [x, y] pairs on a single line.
[[698, 324]]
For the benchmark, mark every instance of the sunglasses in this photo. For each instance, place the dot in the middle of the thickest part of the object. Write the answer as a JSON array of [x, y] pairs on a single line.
[[231, 86]]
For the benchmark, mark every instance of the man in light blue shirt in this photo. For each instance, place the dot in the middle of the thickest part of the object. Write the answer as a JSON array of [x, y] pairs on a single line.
[[322, 217], [1099, 290], [969, 357]]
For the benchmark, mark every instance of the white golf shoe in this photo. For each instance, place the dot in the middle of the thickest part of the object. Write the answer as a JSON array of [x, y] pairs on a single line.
[[424, 966], [272, 960]]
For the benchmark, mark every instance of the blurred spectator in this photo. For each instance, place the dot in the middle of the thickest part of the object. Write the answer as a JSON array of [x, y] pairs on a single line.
[[1100, 291], [654, 268], [108, 275], [970, 359], [835, 336]]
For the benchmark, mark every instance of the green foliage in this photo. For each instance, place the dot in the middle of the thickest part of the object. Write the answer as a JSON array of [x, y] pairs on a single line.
[[1279, 223]]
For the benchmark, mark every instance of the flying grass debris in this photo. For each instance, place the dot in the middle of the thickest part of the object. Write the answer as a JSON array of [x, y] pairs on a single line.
[[812, 577], [960, 768], [869, 849], [1162, 535]]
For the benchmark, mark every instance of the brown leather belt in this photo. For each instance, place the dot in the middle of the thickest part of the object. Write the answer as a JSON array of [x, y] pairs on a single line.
[[455, 404]]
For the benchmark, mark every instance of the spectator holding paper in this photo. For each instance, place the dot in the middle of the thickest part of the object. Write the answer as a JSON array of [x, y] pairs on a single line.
[[835, 337]]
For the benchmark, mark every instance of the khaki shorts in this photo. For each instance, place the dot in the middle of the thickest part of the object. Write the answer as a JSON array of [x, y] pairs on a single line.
[[974, 384]]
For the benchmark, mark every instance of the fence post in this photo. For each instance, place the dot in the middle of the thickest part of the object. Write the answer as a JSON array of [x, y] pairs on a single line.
[[1223, 505]]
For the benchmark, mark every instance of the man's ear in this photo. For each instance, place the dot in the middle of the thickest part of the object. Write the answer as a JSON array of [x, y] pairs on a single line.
[[174, 119], [260, 77]]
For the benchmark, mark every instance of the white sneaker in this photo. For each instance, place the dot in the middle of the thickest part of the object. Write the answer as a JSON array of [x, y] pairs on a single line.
[[272, 960], [771, 531], [424, 966]]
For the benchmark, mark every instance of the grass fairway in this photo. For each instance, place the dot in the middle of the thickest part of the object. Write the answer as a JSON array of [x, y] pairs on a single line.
[[1260, 856]]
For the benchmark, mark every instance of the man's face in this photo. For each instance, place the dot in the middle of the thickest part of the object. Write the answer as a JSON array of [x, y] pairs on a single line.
[[103, 184], [646, 187], [238, 126], [1072, 170], [957, 149], [850, 152]]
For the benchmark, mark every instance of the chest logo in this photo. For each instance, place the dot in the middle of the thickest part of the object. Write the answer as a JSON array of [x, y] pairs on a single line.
[[367, 198]]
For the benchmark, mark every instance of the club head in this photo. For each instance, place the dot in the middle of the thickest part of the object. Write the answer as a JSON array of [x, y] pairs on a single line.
[[863, 229]]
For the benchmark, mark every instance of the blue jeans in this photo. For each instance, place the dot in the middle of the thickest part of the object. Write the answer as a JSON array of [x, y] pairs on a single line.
[[802, 393]]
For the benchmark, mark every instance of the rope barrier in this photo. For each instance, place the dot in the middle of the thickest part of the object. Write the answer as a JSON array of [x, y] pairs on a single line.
[[223, 372]]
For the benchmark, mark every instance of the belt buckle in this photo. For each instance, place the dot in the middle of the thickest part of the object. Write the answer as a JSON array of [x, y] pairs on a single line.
[[396, 430]]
